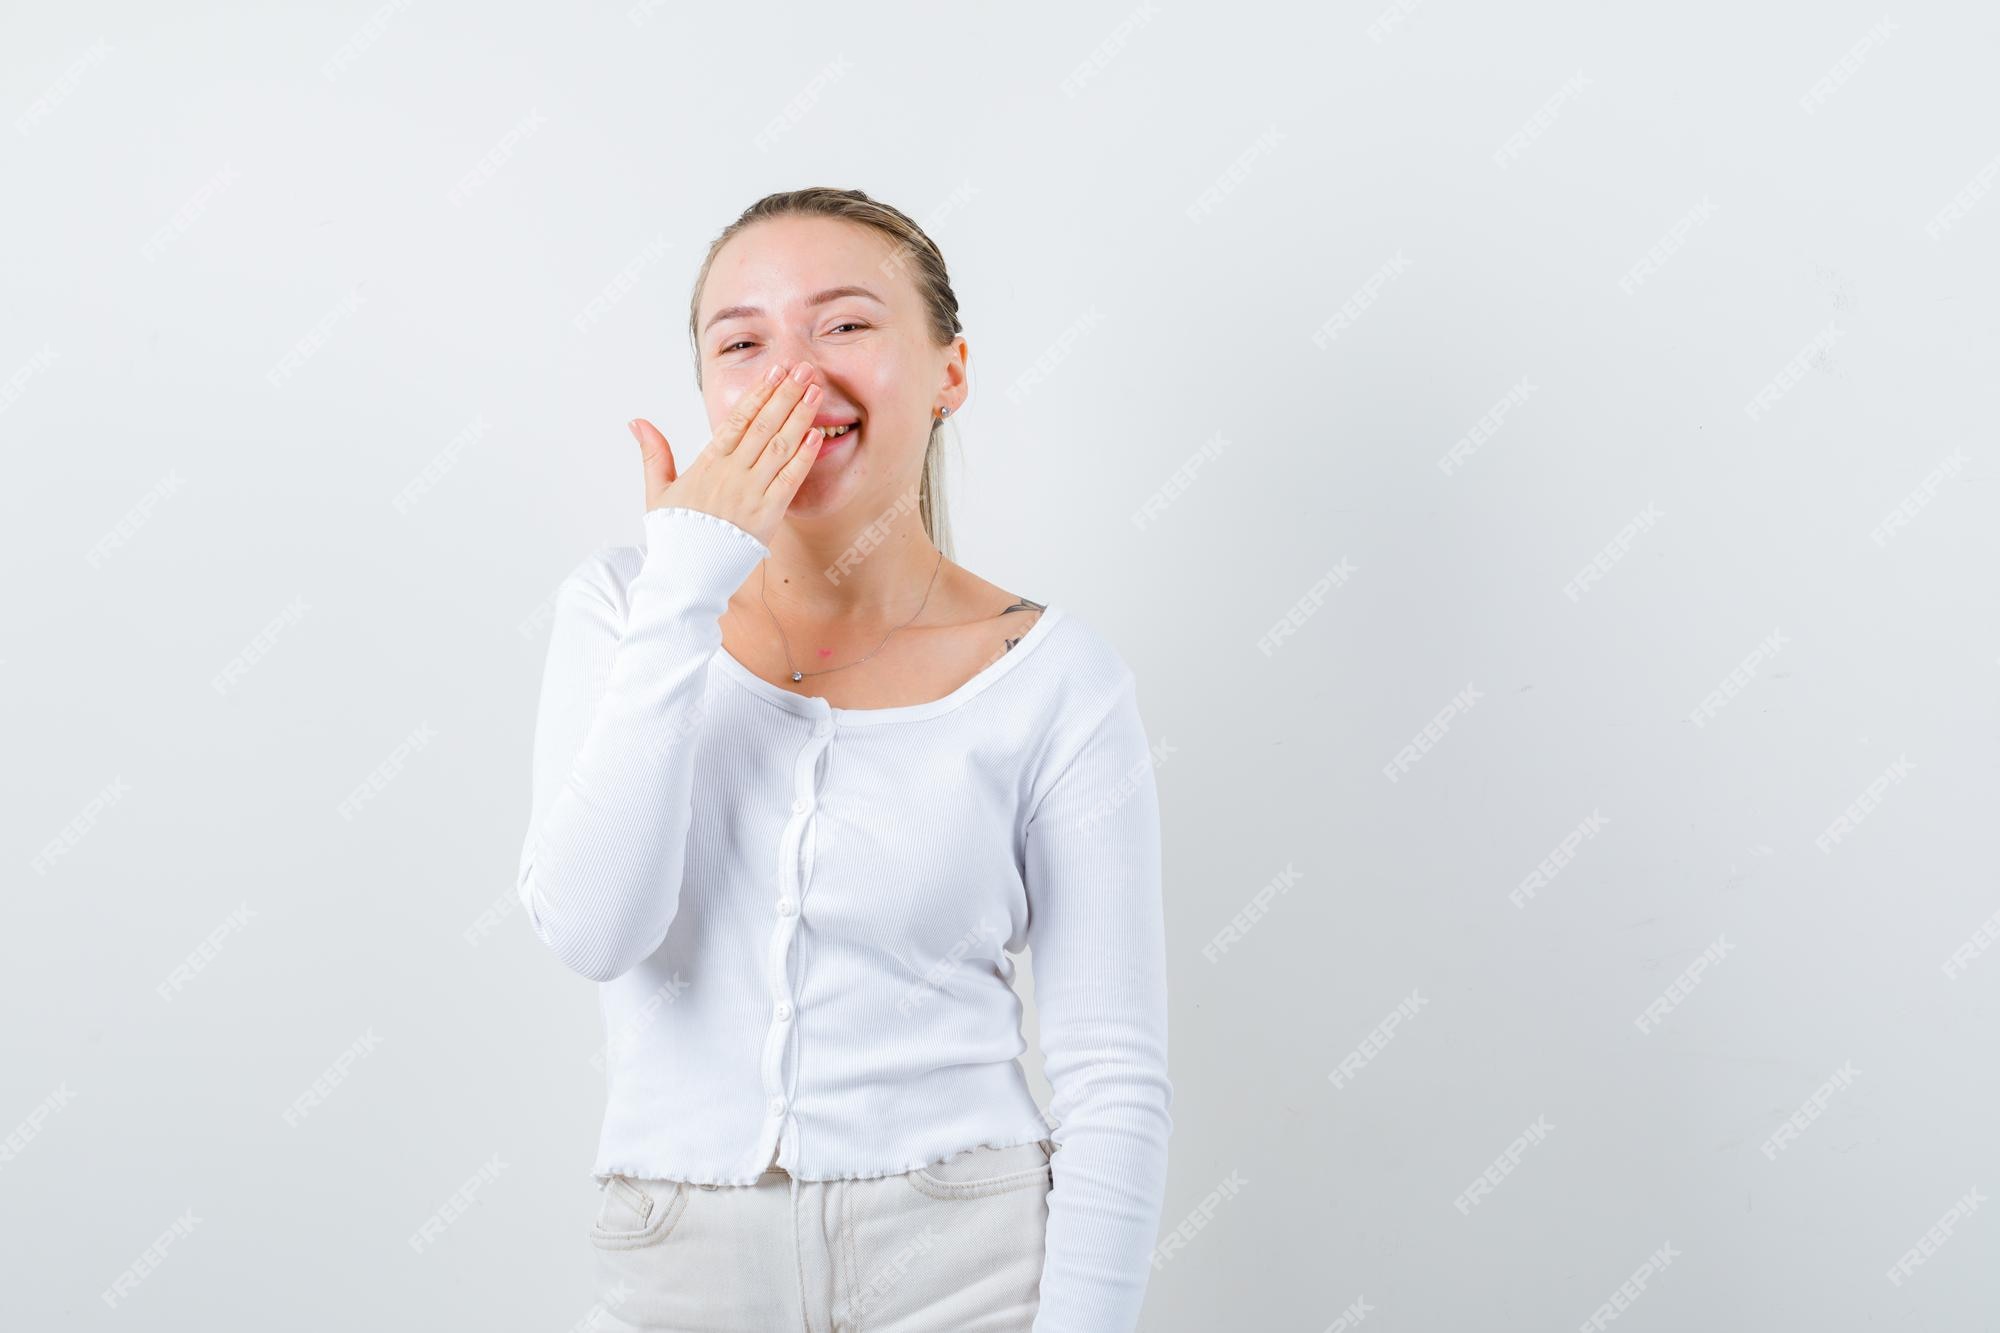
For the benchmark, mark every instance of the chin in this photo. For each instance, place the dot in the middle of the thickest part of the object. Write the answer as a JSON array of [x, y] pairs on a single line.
[[825, 491]]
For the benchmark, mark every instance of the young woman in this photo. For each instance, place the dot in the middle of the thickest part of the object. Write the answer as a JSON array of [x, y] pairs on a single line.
[[801, 786]]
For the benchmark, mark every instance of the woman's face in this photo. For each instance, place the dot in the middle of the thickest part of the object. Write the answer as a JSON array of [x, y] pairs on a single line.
[[871, 352]]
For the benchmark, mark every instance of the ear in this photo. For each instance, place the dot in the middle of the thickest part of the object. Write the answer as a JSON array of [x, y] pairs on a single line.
[[956, 385]]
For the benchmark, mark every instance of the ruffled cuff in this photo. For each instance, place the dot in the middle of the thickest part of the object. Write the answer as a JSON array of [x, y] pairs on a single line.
[[693, 545]]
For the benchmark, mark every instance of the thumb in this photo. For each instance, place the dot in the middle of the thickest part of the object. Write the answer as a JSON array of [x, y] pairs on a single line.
[[656, 456]]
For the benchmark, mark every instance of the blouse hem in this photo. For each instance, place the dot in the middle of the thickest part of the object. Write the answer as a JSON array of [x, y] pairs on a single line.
[[684, 1178]]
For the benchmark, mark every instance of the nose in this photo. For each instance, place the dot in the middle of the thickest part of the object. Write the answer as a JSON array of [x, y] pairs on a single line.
[[789, 348]]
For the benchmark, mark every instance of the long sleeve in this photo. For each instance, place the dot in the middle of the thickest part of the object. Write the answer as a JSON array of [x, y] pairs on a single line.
[[1096, 935], [621, 698]]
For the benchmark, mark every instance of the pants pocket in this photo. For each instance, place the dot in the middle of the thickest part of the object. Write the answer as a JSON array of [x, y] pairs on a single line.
[[637, 1212], [956, 1244], [980, 1172]]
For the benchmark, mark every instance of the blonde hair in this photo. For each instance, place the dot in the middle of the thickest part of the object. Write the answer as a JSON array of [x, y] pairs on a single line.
[[915, 254]]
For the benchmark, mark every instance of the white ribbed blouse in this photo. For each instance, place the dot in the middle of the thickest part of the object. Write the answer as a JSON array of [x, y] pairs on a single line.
[[801, 916]]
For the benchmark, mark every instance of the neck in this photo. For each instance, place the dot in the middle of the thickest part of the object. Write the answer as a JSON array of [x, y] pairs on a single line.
[[826, 573]]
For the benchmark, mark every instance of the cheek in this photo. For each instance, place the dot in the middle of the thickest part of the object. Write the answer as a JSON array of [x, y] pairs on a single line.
[[867, 374], [720, 391]]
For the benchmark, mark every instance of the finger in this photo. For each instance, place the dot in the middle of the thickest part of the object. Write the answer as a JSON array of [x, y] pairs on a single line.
[[785, 484], [656, 456], [771, 417], [778, 450], [744, 410], [779, 456]]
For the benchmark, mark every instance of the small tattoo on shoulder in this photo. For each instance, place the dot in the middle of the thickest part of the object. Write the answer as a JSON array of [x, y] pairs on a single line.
[[1023, 605]]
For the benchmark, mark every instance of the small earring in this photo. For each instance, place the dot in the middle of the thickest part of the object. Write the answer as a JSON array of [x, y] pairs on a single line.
[[943, 412]]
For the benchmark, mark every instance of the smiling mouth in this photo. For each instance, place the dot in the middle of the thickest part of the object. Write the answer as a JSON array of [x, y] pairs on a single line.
[[839, 435]]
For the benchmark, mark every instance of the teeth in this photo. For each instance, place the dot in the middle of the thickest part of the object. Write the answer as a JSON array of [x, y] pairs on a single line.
[[835, 432]]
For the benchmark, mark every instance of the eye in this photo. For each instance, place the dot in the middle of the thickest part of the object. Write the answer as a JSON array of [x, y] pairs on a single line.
[[745, 342]]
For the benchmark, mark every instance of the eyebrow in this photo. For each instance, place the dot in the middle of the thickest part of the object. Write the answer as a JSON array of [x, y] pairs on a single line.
[[817, 298]]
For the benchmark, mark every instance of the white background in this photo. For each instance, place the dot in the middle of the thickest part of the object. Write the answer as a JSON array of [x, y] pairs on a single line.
[[193, 190]]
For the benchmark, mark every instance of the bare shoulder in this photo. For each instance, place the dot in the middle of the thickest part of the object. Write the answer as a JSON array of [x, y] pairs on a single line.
[[994, 614], [1017, 618]]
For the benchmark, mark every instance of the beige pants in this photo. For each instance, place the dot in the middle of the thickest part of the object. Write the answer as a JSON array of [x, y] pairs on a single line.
[[954, 1247]]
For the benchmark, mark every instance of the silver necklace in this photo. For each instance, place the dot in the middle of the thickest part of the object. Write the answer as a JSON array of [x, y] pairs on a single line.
[[762, 579]]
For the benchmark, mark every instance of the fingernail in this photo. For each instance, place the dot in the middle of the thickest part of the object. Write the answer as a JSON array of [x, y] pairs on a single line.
[[633, 426], [775, 374], [802, 372]]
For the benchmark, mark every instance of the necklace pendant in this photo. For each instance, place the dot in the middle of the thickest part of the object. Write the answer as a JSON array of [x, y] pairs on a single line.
[[798, 675]]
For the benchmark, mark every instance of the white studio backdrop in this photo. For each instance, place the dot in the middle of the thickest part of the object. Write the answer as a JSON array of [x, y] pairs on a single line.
[[1538, 460]]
